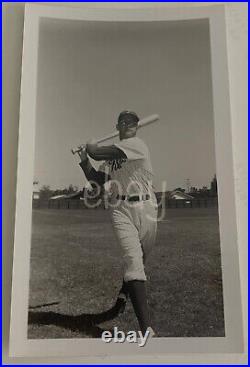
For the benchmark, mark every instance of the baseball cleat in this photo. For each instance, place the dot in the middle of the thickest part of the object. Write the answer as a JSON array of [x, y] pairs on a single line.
[[120, 304]]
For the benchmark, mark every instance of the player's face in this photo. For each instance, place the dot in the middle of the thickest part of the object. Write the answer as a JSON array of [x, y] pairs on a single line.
[[126, 130]]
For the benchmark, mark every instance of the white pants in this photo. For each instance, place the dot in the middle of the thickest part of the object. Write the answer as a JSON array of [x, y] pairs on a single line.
[[135, 226]]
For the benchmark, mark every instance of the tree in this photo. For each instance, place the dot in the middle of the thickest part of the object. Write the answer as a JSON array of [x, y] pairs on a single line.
[[45, 192], [213, 186], [193, 190], [204, 192], [71, 189]]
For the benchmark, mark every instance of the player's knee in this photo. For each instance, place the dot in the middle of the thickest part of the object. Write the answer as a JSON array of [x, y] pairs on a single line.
[[134, 268]]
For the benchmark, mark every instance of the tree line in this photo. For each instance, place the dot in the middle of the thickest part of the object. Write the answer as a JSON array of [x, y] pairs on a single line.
[[203, 192], [45, 193]]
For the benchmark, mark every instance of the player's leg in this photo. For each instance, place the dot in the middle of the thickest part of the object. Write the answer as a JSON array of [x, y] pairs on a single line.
[[138, 296], [134, 278], [123, 293], [148, 228], [137, 289], [122, 298]]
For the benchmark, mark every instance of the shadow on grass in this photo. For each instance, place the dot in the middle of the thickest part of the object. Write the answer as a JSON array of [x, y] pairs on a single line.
[[43, 305], [84, 323]]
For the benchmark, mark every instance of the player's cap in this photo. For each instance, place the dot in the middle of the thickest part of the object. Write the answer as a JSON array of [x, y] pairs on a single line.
[[128, 118]]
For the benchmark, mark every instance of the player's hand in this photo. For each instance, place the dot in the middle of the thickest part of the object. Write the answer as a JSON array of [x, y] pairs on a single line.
[[91, 145], [91, 142]]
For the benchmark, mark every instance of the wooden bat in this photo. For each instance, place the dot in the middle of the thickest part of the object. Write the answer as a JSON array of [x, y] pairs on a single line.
[[143, 122]]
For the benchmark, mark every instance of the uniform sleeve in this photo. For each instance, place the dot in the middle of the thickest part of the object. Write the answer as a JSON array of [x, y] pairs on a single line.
[[133, 148]]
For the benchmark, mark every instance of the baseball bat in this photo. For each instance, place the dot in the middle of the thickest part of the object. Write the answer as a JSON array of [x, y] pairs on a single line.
[[142, 123]]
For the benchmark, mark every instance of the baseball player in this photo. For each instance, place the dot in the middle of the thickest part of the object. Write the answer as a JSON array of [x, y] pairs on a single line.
[[133, 207]]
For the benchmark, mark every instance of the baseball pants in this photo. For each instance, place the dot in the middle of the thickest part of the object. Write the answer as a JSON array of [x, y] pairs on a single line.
[[135, 226]]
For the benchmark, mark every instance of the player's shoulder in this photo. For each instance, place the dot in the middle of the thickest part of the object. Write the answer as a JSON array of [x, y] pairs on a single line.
[[136, 141], [135, 146], [141, 144]]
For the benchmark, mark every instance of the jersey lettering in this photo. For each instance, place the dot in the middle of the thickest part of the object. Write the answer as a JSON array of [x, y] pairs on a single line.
[[116, 164]]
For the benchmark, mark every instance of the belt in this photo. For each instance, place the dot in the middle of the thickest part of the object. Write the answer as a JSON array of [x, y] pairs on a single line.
[[134, 197]]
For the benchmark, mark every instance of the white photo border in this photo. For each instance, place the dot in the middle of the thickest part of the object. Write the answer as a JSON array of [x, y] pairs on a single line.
[[20, 345]]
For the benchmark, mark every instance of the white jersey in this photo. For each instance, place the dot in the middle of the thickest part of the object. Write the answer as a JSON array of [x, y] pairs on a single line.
[[132, 175]]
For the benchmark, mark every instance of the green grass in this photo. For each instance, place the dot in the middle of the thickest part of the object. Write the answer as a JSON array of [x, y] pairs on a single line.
[[76, 264]]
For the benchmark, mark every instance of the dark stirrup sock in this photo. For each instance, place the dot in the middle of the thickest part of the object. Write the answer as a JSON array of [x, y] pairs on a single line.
[[123, 293], [137, 293]]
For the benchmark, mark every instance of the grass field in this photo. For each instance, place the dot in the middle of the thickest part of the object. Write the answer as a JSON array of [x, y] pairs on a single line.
[[76, 272]]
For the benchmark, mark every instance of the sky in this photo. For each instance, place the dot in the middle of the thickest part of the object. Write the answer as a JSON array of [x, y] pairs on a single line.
[[88, 72]]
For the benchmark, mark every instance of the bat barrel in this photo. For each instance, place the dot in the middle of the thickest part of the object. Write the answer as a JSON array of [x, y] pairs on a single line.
[[148, 120]]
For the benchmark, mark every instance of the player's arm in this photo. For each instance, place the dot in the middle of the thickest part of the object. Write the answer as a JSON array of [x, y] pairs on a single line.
[[106, 153], [90, 172]]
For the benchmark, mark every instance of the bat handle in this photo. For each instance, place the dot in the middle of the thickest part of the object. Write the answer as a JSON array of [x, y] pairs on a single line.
[[78, 150]]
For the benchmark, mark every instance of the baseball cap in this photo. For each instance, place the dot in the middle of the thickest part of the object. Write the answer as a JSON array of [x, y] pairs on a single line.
[[128, 118]]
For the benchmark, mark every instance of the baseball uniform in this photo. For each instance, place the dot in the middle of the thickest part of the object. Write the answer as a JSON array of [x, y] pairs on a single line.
[[133, 205]]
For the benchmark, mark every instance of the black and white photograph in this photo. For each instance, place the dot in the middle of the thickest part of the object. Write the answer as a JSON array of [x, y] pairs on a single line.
[[86, 257], [126, 199]]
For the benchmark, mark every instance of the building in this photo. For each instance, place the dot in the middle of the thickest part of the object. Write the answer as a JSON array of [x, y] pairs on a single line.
[[173, 195], [74, 196], [180, 195]]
